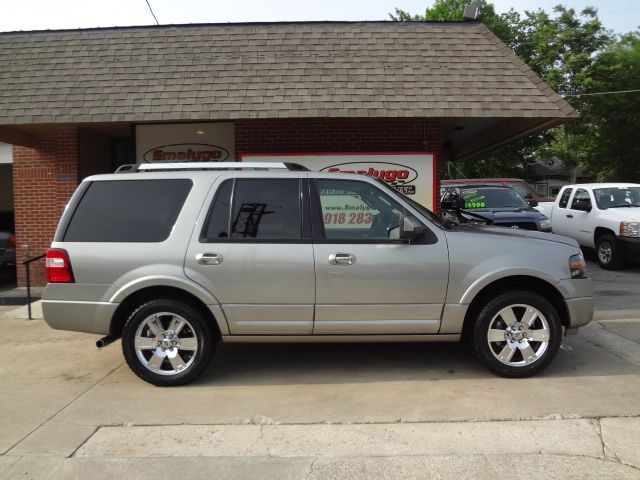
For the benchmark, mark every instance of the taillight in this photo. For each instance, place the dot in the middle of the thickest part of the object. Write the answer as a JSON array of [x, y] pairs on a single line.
[[58, 266], [11, 242]]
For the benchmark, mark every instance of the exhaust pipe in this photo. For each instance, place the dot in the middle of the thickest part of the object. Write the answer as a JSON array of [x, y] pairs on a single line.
[[104, 341]]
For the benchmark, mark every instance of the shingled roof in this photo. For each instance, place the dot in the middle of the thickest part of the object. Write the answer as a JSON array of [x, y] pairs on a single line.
[[276, 70]]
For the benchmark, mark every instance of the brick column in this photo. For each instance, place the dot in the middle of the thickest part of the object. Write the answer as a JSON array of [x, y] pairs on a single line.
[[44, 177]]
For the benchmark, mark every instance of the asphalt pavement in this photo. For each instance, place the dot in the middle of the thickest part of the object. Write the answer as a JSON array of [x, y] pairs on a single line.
[[370, 411]]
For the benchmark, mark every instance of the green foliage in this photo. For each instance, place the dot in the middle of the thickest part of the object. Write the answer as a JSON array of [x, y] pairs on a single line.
[[453, 10], [561, 49], [576, 56], [615, 118], [515, 160]]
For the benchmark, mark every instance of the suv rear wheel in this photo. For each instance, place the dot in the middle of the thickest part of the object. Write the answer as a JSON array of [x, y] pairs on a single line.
[[517, 334], [167, 342]]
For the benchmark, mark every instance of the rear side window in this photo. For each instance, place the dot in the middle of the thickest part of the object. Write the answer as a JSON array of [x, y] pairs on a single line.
[[564, 200], [258, 209], [128, 211]]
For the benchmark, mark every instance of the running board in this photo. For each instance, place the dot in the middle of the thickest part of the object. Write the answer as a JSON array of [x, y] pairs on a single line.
[[338, 338]]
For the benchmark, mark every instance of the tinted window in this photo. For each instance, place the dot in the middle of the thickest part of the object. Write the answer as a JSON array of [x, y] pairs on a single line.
[[565, 198], [266, 209], [580, 196], [217, 223], [357, 210], [128, 211]]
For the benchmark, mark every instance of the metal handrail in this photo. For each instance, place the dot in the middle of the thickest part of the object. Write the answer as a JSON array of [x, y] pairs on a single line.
[[26, 264]]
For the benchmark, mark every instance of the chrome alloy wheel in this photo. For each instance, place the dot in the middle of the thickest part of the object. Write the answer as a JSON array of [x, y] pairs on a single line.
[[605, 252], [518, 335], [166, 343]]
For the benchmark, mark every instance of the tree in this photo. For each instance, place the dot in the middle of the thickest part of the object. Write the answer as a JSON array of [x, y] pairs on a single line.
[[563, 49], [453, 10], [615, 117]]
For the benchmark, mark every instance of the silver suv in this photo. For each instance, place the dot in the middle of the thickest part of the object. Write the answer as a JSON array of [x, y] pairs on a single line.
[[174, 258]]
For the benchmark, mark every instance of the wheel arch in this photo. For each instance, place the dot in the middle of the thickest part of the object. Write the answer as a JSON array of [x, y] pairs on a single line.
[[511, 283], [143, 295], [600, 231]]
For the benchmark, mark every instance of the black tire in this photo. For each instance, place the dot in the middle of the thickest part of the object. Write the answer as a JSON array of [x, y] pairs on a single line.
[[524, 358], [161, 357], [608, 255]]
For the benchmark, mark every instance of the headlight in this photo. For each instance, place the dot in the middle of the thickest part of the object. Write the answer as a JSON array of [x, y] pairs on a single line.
[[577, 266], [630, 229], [544, 224]]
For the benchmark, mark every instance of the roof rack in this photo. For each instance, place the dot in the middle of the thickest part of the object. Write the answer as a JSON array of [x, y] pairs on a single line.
[[169, 167]]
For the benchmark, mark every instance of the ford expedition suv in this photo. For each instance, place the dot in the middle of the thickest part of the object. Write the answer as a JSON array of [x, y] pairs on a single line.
[[174, 258]]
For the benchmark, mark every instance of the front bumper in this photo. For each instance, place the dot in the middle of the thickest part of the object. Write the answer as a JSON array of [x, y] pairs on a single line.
[[580, 311], [578, 296], [629, 247]]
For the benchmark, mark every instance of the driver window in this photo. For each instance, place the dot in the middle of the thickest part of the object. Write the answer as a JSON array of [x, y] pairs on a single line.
[[581, 196], [357, 210]]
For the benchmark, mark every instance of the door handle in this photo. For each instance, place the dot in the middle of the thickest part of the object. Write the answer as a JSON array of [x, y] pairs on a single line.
[[342, 259], [208, 258], [569, 216]]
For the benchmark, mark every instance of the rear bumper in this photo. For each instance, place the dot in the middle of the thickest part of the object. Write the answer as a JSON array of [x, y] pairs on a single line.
[[8, 261], [89, 317]]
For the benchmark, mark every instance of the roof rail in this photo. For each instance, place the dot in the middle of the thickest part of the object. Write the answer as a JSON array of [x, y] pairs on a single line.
[[168, 167]]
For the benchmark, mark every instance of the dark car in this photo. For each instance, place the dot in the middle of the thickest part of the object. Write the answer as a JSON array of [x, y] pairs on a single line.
[[495, 205], [7, 255], [522, 187]]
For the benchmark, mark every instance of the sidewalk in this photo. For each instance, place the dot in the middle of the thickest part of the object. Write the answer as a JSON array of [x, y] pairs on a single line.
[[358, 411], [563, 449]]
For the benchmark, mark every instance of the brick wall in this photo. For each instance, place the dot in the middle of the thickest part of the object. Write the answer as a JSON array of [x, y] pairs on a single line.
[[340, 135], [44, 177], [337, 135]]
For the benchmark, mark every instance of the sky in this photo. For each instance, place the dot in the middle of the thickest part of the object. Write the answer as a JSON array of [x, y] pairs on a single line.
[[621, 16]]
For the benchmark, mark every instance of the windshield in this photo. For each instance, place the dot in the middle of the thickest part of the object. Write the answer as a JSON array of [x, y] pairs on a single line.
[[489, 198], [615, 197]]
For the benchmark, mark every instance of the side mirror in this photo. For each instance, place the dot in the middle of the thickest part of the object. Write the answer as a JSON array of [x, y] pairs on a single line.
[[447, 205], [411, 228], [532, 203], [582, 205]]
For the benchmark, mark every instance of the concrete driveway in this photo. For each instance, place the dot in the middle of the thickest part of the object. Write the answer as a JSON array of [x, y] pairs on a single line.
[[327, 411]]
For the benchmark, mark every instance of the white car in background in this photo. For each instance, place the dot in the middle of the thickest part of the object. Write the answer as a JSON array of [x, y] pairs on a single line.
[[604, 216]]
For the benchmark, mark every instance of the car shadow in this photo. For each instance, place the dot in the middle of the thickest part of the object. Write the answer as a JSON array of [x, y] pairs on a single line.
[[280, 364]]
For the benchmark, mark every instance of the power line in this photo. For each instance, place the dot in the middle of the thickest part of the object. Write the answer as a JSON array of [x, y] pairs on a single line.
[[151, 10], [602, 93]]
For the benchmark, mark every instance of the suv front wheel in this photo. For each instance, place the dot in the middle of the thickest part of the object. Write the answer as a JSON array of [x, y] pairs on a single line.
[[167, 342], [517, 334]]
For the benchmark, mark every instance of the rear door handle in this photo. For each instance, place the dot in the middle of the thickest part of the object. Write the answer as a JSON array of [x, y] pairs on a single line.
[[569, 216], [208, 258], [342, 259]]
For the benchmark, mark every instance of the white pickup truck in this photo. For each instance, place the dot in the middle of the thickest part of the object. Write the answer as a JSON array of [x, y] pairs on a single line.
[[604, 216]]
